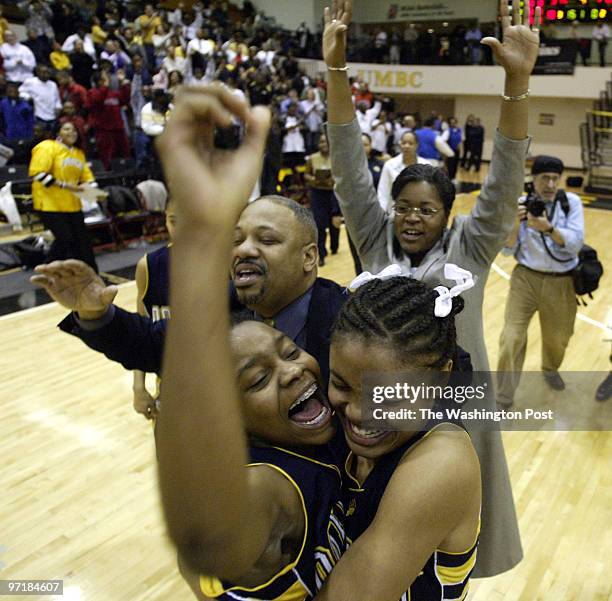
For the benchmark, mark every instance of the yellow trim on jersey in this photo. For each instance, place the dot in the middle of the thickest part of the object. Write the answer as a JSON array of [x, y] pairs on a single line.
[[328, 465], [347, 471], [328, 553], [457, 574], [296, 592], [213, 587], [146, 287]]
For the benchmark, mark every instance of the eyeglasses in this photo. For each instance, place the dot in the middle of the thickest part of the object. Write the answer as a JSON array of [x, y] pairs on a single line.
[[425, 212]]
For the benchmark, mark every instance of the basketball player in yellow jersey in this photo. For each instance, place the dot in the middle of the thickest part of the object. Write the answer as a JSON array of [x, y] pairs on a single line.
[[152, 301], [59, 169]]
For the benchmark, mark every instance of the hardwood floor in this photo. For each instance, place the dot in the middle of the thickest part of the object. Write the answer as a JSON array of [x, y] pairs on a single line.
[[79, 495]]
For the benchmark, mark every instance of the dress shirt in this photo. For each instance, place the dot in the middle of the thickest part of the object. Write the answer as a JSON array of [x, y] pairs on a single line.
[[19, 61], [45, 95], [313, 111], [292, 319], [601, 34], [529, 249], [293, 140], [366, 119], [88, 44]]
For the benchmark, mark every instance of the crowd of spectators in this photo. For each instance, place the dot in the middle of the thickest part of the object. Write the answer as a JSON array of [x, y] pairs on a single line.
[[112, 73], [418, 44]]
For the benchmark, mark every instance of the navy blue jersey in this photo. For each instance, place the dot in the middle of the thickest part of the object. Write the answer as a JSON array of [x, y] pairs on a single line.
[[445, 575], [318, 482], [155, 296]]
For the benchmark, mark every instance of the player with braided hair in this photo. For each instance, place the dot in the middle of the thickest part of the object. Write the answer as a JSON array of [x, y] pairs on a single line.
[[398, 310], [413, 498]]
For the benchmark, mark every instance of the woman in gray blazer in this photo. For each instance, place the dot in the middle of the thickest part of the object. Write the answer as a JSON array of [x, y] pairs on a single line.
[[418, 237]]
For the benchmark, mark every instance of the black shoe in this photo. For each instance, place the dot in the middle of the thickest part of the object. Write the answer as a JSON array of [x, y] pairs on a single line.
[[604, 390], [334, 252], [321, 262], [554, 380]]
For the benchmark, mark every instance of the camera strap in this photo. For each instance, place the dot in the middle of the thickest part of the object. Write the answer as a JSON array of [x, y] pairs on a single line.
[[561, 198]]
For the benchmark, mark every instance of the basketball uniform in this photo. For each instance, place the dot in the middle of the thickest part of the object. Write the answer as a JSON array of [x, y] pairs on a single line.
[[155, 296], [445, 576], [318, 483]]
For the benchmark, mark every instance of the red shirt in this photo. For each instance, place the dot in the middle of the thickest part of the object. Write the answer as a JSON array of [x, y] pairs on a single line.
[[365, 97], [105, 107], [74, 93]]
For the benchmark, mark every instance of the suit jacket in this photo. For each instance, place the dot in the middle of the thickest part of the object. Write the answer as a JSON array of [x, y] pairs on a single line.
[[138, 342]]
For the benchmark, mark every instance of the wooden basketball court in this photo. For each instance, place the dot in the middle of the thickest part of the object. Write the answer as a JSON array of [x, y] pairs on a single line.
[[79, 497]]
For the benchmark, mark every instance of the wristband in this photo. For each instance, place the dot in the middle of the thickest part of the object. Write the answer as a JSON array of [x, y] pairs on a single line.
[[344, 69], [522, 96]]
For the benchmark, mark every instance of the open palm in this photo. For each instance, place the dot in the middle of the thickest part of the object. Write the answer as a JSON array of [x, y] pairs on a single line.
[[519, 51], [337, 19], [75, 285]]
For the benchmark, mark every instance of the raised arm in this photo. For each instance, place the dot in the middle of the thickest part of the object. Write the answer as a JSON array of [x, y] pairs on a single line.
[[219, 513], [490, 223], [517, 55], [127, 338], [365, 218], [340, 108]]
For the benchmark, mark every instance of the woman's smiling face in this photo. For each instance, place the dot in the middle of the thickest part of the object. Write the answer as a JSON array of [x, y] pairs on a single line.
[[280, 385]]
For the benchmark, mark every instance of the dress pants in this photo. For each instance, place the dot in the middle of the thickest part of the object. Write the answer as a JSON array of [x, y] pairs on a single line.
[[71, 237], [325, 206], [602, 52], [553, 297], [112, 144]]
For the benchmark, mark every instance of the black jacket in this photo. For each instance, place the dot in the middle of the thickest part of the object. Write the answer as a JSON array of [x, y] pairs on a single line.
[[138, 342]]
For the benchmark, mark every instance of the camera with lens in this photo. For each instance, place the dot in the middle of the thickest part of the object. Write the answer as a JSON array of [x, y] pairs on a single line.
[[535, 206]]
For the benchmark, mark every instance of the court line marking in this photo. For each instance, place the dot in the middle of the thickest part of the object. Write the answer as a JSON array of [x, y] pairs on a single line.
[[579, 315], [494, 267], [47, 305]]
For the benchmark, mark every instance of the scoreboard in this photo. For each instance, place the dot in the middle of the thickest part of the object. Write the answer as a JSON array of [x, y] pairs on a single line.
[[566, 11]]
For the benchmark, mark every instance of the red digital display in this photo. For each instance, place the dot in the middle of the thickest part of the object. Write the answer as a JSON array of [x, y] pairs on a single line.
[[570, 10]]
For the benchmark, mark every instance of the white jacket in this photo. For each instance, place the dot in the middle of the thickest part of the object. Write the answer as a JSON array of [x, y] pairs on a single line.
[[11, 55]]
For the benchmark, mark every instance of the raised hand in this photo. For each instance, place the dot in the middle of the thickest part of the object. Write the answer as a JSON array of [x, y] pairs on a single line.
[[211, 186], [76, 286], [337, 19], [519, 51]]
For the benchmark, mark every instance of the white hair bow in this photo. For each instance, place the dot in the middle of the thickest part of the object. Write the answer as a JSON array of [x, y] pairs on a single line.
[[465, 281], [391, 271]]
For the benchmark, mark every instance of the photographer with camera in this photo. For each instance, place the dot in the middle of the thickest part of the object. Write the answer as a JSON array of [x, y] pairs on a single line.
[[545, 241]]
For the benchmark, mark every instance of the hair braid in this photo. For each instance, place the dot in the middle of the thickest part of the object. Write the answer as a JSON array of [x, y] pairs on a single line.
[[400, 311]]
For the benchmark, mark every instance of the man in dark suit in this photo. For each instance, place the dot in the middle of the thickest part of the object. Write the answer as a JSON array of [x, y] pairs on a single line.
[[274, 275]]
